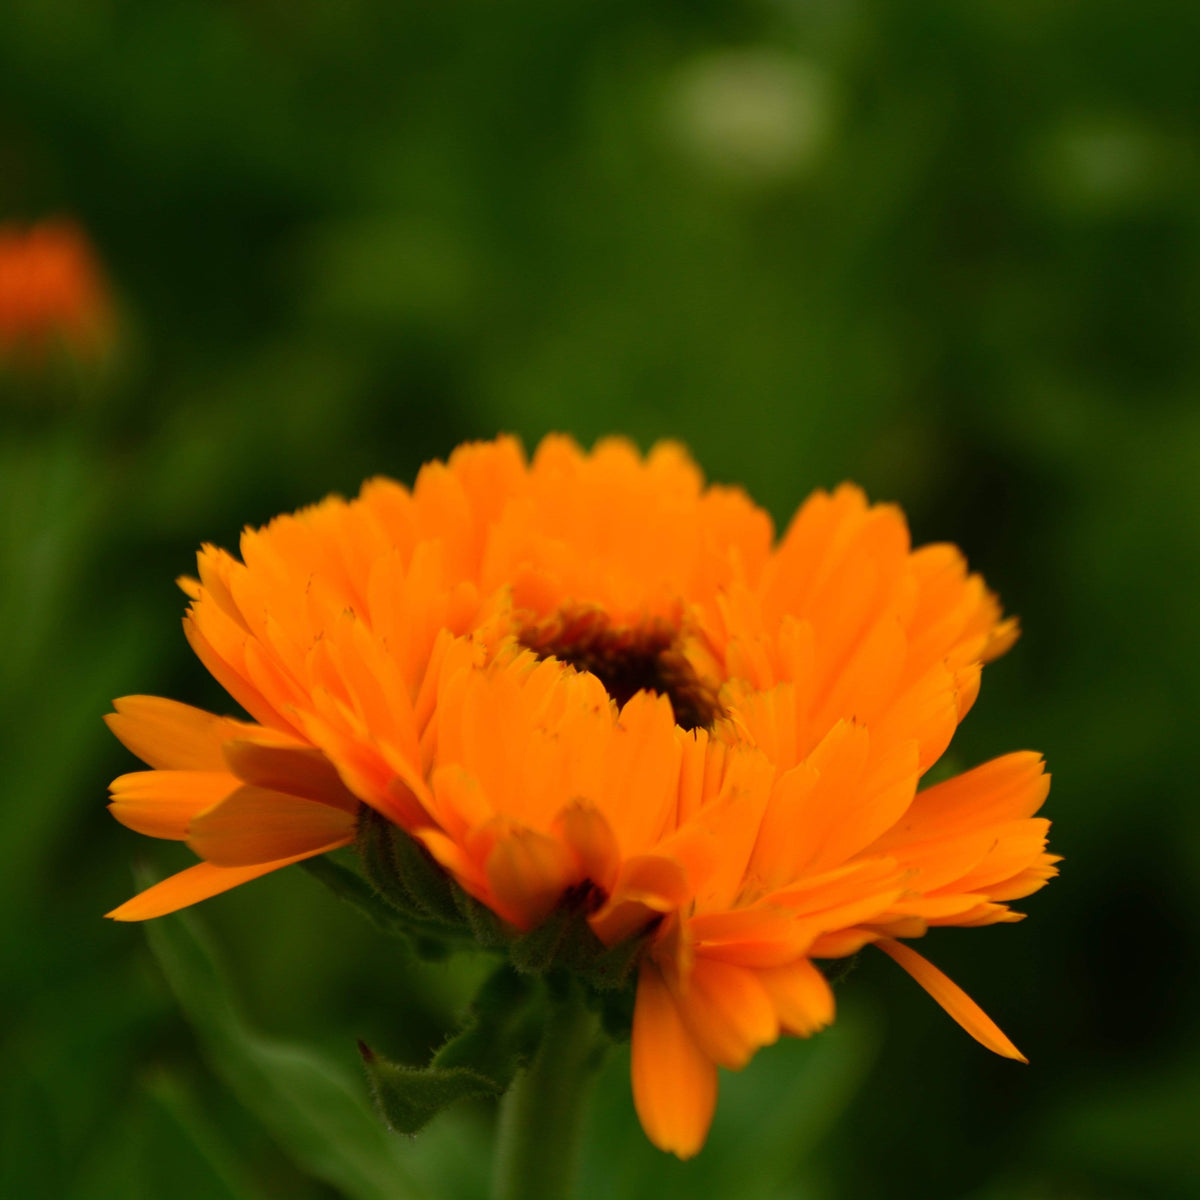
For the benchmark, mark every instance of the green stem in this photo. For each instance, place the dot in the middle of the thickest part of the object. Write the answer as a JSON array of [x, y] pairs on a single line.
[[541, 1117]]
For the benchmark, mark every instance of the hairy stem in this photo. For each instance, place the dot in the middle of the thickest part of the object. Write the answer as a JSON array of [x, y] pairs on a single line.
[[541, 1117]]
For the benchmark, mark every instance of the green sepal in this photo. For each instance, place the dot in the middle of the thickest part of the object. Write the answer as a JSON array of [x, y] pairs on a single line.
[[610, 970], [408, 1098], [535, 952], [355, 891], [425, 880], [502, 1031], [616, 1012], [429, 939], [403, 873], [486, 928], [566, 940]]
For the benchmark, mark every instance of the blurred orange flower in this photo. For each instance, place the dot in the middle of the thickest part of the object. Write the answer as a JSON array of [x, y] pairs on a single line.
[[591, 680], [51, 291]]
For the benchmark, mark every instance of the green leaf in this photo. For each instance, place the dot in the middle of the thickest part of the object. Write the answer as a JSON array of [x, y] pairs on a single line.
[[312, 1105]]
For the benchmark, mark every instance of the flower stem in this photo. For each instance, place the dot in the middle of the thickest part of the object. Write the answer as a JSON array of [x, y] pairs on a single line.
[[541, 1117]]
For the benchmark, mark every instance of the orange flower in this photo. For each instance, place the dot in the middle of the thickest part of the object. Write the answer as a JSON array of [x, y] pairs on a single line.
[[51, 290], [590, 681]]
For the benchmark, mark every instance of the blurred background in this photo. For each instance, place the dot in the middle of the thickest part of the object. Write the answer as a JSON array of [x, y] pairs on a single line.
[[951, 251]]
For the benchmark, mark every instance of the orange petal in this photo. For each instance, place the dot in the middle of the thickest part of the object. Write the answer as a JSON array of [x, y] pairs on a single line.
[[801, 995], [255, 825], [171, 736], [727, 1011], [674, 1084], [195, 884], [584, 828], [842, 943], [226, 660], [733, 820], [162, 803], [454, 858], [527, 872], [762, 936], [297, 770], [952, 998], [647, 886], [1005, 789]]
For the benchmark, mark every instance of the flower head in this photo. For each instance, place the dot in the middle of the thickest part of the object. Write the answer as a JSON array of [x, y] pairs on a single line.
[[51, 291], [589, 682]]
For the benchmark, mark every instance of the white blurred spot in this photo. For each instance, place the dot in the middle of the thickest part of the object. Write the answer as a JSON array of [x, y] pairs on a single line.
[[756, 115]]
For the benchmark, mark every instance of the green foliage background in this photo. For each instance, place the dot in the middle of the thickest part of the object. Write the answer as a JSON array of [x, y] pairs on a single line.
[[950, 250]]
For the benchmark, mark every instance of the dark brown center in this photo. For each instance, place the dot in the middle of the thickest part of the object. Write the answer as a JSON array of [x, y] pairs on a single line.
[[627, 660]]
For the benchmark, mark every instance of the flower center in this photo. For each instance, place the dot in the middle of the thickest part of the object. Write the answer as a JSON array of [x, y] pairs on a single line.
[[627, 660]]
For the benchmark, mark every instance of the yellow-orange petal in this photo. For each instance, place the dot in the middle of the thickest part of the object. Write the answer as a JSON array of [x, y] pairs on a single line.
[[952, 998], [198, 883], [162, 803], [254, 825], [674, 1083]]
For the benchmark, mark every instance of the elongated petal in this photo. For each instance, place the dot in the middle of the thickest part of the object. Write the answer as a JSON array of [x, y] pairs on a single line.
[[198, 883], [674, 1084], [952, 998]]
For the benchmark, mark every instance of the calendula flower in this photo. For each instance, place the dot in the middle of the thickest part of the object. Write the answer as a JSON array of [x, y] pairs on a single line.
[[51, 292], [590, 684]]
